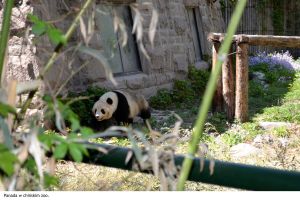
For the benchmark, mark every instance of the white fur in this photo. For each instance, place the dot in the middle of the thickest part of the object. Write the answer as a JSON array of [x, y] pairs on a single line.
[[102, 104]]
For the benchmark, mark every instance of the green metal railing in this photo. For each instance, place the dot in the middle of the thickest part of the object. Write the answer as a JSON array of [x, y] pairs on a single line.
[[224, 173]]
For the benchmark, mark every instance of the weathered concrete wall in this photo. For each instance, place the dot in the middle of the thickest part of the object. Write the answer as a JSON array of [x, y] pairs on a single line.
[[172, 53], [21, 59]]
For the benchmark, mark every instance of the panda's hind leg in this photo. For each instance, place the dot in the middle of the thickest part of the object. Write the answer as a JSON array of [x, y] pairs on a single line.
[[145, 114], [130, 121]]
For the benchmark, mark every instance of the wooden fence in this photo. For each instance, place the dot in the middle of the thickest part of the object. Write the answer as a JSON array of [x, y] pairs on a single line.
[[235, 100]]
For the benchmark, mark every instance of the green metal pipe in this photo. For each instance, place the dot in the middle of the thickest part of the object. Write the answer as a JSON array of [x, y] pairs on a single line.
[[225, 173]]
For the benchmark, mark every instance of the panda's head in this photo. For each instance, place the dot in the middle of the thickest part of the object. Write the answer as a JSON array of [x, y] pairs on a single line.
[[105, 107]]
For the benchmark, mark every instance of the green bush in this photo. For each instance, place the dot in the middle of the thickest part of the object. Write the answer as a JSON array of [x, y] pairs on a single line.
[[183, 91], [198, 79], [272, 75], [232, 138], [162, 99], [256, 89]]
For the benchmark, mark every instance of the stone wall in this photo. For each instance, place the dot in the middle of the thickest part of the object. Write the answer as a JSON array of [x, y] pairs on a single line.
[[172, 53], [21, 59]]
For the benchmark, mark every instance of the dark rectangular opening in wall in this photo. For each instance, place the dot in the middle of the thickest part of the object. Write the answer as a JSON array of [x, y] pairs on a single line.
[[123, 60], [196, 28]]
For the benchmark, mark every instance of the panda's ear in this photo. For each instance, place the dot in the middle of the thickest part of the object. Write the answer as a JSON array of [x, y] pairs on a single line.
[[109, 101]]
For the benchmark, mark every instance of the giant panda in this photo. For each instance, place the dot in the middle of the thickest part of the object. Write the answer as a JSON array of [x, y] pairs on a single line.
[[122, 106]]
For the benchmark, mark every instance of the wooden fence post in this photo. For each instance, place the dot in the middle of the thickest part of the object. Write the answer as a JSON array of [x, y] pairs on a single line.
[[228, 87], [241, 98], [217, 103]]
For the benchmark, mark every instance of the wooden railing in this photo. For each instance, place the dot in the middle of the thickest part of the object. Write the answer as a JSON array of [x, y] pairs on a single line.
[[234, 100]]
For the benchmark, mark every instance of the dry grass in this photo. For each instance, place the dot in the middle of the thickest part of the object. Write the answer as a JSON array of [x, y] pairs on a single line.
[[84, 177]]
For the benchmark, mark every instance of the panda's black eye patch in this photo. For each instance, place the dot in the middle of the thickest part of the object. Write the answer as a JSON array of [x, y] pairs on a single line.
[[103, 112], [95, 111], [109, 101]]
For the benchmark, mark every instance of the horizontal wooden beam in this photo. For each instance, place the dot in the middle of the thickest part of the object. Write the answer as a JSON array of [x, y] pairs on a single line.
[[260, 40]]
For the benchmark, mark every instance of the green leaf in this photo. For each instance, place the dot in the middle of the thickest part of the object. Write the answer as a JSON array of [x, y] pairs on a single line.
[[56, 36], [5, 109], [7, 159], [75, 152], [86, 131], [33, 18], [50, 180], [75, 125], [83, 149], [46, 139], [39, 28], [30, 165], [6, 132], [47, 98], [61, 151]]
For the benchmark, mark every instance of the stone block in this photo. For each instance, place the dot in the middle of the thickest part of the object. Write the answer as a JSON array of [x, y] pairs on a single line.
[[201, 65], [181, 63], [191, 3]]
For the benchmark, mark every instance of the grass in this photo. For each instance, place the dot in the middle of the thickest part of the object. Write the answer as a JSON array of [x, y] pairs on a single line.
[[280, 101]]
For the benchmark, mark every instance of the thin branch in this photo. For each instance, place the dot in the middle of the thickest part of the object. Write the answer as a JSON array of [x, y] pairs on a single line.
[[70, 77]]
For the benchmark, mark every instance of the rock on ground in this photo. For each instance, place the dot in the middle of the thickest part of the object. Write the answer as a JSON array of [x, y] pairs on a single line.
[[243, 150], [271, 125]]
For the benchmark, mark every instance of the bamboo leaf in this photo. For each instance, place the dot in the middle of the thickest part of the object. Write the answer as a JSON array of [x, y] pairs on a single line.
[[119, 24], [83, 29], [5, 109], [36, 151], [85, 131], [56, 36], [137, 24], [39, 27], [61, 151], [7, 160], [152, 27], [28, 86], [128, 157], [75, 152], [7, 136]]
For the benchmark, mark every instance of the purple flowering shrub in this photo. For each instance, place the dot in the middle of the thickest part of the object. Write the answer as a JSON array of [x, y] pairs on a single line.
[[273, 60]]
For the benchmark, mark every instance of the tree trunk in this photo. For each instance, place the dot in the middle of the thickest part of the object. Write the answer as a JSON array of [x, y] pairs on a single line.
[[228, 87], [241, 109], [217, 103]]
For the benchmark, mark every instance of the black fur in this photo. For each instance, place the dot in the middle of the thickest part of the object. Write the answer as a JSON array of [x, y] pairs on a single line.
[[122, 112], [145, 114], [109, 101]]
